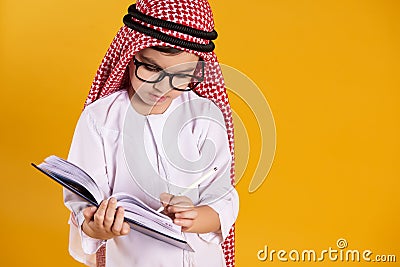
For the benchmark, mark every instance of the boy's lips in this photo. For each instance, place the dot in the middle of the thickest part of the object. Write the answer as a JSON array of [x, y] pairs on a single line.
[[157, 97]]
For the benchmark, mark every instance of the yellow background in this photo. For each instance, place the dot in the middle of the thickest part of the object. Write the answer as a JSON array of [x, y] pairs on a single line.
[[329, 70]]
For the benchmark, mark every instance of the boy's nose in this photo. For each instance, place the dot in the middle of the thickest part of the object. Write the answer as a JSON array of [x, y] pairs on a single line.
[[163, 86]]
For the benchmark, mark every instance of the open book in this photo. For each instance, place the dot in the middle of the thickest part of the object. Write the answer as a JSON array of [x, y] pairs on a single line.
[[140, 216]]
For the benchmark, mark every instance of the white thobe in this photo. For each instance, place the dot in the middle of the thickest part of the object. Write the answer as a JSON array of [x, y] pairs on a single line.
[[124, 151]]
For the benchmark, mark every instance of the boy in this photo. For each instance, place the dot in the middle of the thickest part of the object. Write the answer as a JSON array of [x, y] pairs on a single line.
[[145, 79]]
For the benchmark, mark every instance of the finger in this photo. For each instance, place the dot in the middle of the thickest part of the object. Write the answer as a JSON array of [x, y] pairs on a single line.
[[100, 213], [110, 213], [181, 201], [185, 223], [118, 221], [180, 207], [191, 214], [125, 229], [89, 212]]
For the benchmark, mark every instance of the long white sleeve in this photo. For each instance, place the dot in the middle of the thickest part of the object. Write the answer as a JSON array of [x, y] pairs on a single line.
[[86, 152], [218, 192]]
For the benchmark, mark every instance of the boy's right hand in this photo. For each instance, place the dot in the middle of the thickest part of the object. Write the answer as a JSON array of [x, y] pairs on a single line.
[[105, 222]]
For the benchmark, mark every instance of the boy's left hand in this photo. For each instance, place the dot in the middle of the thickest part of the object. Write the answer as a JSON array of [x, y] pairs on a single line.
[[180, 209]]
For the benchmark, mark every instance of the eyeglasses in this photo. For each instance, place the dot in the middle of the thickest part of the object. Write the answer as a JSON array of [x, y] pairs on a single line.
[[182, 82]]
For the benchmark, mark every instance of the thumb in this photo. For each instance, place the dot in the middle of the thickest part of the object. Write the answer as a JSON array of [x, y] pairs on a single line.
[[89, 212], [165, 198]]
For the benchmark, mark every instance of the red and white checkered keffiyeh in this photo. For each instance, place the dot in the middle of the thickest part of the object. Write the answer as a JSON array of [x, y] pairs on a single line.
[[112, 74]]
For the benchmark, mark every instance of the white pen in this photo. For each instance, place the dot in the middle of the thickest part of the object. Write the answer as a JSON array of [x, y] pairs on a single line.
[[194, 185]]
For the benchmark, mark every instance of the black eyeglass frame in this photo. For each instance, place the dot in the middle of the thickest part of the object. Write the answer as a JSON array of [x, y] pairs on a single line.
[[163, 73]]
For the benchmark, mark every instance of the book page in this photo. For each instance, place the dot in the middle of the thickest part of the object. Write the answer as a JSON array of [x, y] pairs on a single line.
[[70, 173], [134, 207]]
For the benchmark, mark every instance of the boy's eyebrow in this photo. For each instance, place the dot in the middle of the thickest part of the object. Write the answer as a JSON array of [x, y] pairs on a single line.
[[152, 62]]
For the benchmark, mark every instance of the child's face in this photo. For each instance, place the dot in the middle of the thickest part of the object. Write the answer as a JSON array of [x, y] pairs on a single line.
[[156, 97]]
